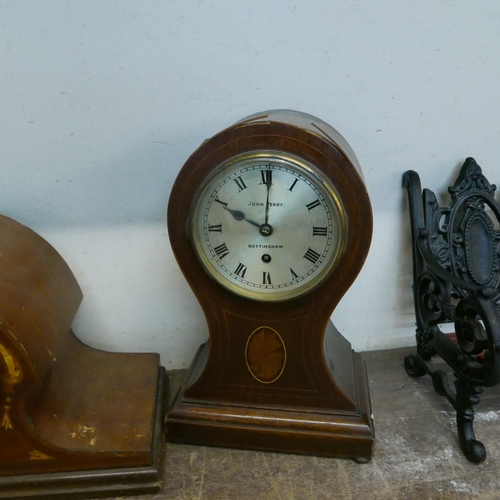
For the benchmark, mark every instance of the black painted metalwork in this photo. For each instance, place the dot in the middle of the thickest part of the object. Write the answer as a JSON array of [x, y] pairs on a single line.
[[456, 273]]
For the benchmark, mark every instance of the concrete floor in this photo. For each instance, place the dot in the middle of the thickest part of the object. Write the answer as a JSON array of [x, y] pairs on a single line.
[[417, 454]]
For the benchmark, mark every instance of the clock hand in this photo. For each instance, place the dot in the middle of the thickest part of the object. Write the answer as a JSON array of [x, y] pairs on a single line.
[[239, 215], [268, 185]]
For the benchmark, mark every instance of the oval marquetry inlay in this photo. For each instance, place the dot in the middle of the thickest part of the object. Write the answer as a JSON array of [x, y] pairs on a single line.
[[479, 250], [265, 354]]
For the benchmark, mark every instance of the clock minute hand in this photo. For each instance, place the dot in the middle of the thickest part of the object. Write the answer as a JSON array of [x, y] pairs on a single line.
[[239, 215], [268, 185]]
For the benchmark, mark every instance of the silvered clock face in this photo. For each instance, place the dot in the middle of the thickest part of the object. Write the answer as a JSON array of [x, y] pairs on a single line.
[[268, 226]]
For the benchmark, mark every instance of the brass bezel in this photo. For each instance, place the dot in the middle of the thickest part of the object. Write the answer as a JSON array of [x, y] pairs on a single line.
[[314, 174]]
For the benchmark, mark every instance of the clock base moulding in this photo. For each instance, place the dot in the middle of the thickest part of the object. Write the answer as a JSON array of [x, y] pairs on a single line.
[[300, 429]]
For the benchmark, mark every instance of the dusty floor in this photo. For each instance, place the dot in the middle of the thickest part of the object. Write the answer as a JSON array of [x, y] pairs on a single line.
[[417, 455]]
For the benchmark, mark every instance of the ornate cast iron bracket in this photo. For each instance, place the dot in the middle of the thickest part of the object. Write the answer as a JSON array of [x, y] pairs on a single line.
[[456, 276]]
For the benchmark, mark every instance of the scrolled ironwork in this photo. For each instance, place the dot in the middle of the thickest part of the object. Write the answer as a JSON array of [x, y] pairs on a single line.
[[456, 278], [470, 332], [433, 298]]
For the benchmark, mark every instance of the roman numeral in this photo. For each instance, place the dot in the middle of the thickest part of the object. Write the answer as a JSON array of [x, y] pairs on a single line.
[[319, 231], [313, 204], [241, 270], [216, 228], [221, 250], [221, 202], [266, 177], [311, 255], [266, 278], [294, 274], [241, 185], [293, 185]]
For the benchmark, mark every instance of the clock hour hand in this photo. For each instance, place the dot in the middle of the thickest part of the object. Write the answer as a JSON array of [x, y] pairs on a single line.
[[239, 215]]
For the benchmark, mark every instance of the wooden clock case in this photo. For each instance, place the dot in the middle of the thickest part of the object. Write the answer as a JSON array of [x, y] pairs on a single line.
[[75, 422], [298, 386]]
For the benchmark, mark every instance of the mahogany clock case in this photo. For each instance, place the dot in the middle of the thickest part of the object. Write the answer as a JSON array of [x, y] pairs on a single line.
[[76, 421], [319, 403]]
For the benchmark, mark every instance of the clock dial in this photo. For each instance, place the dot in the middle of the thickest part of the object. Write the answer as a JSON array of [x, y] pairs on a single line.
[[268, 226]]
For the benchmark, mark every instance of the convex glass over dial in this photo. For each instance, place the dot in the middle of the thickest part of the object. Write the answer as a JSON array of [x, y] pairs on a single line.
[[268, 226]]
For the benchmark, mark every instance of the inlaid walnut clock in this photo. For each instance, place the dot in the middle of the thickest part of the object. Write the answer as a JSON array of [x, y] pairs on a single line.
[[270, 222]]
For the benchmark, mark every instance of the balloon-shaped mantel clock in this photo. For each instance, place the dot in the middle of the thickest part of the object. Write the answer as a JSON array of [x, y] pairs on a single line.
[[270, 222]]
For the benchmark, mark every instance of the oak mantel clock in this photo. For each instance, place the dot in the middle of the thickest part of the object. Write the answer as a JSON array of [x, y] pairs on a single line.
[[270, 222]]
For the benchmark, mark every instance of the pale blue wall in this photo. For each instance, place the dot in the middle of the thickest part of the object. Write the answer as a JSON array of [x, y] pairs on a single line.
[[102, 101]]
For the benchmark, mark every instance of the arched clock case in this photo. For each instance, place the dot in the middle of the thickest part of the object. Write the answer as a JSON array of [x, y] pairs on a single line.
[[270, 222]]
